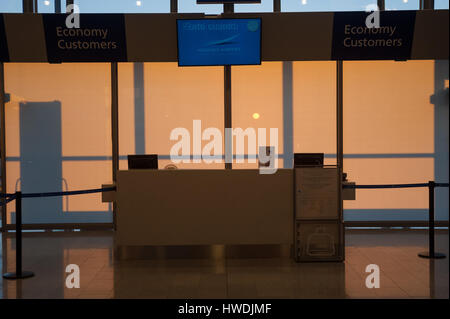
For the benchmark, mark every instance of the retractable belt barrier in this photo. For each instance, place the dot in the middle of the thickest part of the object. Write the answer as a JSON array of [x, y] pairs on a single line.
[[396, 185], [6, 198], [19, 274], [431, 253]]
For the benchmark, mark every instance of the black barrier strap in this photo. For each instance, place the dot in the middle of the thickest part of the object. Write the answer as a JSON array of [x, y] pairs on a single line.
[[6, 195], [7, 200], [10, 197], [396, 185], [51, 194]]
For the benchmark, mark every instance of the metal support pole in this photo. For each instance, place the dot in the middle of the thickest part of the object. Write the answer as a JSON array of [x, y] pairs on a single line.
[[276, 5], [431, 251], [2, 140], [228, 8], [19, 274], [173, 6], [27, 6], [227, 114], [339, 115], [426, 5], [58, 6], [381, 5], [114, 128]]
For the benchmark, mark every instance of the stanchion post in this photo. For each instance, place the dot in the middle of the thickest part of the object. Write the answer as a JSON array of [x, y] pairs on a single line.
[[19, 234], [431, 218], [431, 251], [19, 274]]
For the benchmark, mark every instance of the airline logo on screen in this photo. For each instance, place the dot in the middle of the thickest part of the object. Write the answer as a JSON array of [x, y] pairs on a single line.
[[4, 54], [100, 38], [212, 152], [219, 42], [355, 39]]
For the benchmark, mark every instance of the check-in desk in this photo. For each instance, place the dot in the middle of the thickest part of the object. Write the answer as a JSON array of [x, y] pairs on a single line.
[[207, 207]]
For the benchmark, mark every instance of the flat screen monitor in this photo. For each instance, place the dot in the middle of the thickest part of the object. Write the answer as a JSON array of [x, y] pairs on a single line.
[[143, 161], [207, 42], [308, 159]]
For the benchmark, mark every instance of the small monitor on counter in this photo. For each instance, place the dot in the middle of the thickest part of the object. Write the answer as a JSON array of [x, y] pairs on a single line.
[[143, 161], [308, 159]]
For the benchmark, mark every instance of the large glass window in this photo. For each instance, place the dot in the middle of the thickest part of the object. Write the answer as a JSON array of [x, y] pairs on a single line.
[[264, 6], [314, 108], [191, 6], [156, 98], [123, 6], [441, 4], [325, 5], [394, 133], [58, 137], [257, 102], [402, 4]]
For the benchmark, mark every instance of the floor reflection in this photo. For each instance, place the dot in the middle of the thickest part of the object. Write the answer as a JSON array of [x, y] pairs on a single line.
[[403, 274]]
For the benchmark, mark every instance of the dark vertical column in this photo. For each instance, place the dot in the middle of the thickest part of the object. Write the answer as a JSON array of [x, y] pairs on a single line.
[[381, 5], [173, 6], [228, 9], [2, 139], [431, 217], [58, 6], [340, 149], [276, 5], [27, 6], [431, 253], [114, 128], [227, 115], [19, 274], [18, 234], [139, 108], [339, 114], [426, 4], [288, 115]]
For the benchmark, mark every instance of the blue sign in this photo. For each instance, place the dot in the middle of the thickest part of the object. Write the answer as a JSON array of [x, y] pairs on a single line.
[[219, 42], [100, 38], [354, 40], [4, 54]]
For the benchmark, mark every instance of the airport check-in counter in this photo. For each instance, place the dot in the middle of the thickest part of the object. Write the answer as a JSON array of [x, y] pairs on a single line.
[[231, 207]]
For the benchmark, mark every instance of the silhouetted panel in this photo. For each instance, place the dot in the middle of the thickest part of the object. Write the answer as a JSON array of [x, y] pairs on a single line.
[[41, 159]]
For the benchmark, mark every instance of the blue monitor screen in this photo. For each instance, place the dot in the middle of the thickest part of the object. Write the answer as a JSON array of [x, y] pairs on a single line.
[[219, 42]]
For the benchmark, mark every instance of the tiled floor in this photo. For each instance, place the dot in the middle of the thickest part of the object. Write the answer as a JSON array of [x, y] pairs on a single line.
[[403, 274]]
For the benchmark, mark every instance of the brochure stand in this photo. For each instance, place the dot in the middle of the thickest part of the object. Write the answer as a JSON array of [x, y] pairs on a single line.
[[319, 228]]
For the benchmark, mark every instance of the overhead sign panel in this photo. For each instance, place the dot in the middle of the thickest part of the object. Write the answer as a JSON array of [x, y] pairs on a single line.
[[219, 42], [99, 38], [354, 40]]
